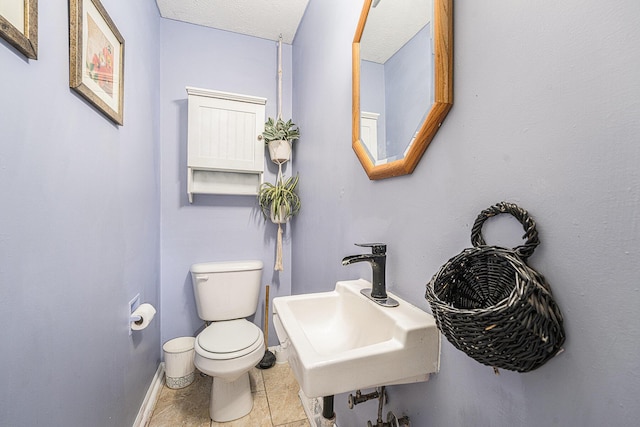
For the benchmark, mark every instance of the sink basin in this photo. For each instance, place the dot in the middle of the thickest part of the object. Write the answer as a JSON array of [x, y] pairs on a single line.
[[341, 341]]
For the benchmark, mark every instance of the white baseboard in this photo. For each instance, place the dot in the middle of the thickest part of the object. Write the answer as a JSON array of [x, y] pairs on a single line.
[[150, 399]]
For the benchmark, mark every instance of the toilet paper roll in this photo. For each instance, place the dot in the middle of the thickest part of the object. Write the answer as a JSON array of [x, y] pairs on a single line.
[[146, 313]]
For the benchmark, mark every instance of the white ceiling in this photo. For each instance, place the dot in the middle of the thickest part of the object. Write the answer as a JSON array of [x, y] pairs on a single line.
[[267, 19], [390, 25]]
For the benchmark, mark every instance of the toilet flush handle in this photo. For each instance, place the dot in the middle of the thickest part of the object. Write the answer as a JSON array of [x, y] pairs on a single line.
[[202, 278]]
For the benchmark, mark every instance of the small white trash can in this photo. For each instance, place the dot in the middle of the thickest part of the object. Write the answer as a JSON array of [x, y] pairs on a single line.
[[178, 361]]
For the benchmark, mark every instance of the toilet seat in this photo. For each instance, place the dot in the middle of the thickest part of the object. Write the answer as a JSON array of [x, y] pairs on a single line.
[[229, 339]]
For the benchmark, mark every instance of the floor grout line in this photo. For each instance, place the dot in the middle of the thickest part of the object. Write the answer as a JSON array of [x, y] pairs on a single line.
[[266, 393]]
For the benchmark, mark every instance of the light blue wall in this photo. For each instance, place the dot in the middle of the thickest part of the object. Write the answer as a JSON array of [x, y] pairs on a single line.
[[546, 115], [79, 230], [214, 227], [400, 90], [408, 91]]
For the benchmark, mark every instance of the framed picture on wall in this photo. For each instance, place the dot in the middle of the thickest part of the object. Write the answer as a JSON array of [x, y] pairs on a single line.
[[19, 25], [96, 57]]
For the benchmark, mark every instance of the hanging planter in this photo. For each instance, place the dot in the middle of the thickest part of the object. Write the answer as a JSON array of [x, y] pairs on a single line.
[[279, 202], [278, 136], [280, 150], [280, 217]]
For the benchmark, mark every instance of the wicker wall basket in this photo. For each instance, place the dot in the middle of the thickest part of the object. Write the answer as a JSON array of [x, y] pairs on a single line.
[[490, 304]]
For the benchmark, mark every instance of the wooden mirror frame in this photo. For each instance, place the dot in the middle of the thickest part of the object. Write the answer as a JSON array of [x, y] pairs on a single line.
[[443, 91]]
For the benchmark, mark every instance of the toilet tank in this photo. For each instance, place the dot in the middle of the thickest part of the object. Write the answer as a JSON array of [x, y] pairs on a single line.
[[226, 290]]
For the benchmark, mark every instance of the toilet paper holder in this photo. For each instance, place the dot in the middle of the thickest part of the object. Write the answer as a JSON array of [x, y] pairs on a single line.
[[133, 318], [140, 315]]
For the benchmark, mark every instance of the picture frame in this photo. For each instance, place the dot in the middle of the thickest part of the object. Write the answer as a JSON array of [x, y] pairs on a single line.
[[96, 58], [19, 25]]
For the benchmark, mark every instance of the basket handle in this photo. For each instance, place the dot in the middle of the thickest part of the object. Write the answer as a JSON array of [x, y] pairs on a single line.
[[530, 232]]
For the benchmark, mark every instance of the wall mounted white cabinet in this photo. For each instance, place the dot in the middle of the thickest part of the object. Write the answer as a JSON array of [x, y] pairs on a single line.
[[225, 152]]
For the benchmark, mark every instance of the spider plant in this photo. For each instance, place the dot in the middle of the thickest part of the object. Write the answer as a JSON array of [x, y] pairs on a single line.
[[279, 200], [276, 130]]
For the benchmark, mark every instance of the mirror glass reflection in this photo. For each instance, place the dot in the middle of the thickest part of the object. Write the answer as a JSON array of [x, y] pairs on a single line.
[[396, 76]]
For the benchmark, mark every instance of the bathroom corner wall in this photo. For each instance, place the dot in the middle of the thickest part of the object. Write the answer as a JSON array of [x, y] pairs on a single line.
[[214, 227], [79, 230], [545, 115]]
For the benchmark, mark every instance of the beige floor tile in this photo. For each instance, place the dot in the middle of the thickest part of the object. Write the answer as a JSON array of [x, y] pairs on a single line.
[[276, 402], [258, 417], [285, 408], [301, 423], [188, 406], [282, 393], [280, 379], [257, 382]]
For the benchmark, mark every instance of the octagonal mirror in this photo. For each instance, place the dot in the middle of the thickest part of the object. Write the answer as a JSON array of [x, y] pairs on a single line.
[[402, 82]]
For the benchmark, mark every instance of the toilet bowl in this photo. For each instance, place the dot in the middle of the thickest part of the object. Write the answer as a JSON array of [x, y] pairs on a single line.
[[230, 346], [227, 351]]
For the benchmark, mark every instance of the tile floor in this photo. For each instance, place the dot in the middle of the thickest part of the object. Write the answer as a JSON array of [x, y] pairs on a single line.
[[276, 402]]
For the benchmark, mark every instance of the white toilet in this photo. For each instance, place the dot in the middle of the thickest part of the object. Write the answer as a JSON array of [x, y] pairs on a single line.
[[226, 293]]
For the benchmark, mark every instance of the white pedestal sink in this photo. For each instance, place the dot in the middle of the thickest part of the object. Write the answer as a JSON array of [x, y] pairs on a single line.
[[340, 341]]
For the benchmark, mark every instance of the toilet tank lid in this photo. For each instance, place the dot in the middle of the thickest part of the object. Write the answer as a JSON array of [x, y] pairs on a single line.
[[221, 267]]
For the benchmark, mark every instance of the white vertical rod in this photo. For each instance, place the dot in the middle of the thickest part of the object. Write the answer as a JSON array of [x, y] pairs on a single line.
[[280, 77]]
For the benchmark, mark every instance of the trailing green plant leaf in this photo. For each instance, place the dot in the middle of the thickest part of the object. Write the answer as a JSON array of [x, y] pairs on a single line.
[[279, 198], [275, 130]]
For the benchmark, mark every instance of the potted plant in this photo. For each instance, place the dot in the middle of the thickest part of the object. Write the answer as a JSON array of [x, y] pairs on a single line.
[[278, 135], [279, 201]]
